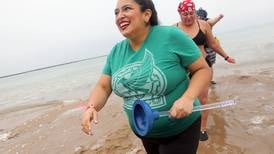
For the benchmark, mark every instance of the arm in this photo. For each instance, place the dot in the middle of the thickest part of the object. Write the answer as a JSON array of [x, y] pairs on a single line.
[[96, 102], [199, 81], [213, 21], [100, 93], [200, 78], [213, 43]]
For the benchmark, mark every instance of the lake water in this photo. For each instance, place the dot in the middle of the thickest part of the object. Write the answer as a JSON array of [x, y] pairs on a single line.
[[73, 81]]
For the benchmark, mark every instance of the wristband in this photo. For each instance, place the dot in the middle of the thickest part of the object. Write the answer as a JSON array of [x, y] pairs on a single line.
[[226, 58], [90, 106]]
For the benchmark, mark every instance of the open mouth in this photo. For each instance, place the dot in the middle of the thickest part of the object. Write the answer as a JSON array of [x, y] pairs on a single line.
[[123, 25]]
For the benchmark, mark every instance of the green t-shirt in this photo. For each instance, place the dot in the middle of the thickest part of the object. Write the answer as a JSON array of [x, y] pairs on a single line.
[[156, 73]]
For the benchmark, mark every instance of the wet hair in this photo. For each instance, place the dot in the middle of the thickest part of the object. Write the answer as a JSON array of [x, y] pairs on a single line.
[[202, 13], [148, 4]]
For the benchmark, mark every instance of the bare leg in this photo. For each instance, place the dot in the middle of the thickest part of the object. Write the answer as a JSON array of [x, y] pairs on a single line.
[[203, 99], [212, 81]]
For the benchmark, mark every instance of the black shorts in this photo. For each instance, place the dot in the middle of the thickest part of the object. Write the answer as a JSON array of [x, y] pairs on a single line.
[[186, 142], [210, 56], [208, 62]]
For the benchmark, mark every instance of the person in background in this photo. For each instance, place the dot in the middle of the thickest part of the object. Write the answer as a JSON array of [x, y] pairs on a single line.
[[202, 15], [211, 54], [201, 33], [151, 64]]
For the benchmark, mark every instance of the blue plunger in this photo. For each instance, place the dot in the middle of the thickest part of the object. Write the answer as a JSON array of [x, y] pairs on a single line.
[[144, 116]]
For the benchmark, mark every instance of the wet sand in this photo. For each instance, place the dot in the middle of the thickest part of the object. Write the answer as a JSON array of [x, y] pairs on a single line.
[[55, 128]]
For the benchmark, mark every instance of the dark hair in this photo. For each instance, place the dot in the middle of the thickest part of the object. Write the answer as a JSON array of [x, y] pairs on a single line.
[[148, 4], [202, 13]]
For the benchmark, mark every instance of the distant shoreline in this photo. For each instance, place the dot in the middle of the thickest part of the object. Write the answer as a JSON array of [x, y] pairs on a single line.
[[42, 68]]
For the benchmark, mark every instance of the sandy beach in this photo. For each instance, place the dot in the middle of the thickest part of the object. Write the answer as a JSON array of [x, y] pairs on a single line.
[[55, 128]]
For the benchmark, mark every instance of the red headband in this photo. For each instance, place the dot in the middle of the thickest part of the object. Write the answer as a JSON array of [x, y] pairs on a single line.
[[186, 5]]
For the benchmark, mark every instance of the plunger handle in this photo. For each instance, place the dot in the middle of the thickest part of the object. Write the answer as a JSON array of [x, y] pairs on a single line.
[[205, 107]]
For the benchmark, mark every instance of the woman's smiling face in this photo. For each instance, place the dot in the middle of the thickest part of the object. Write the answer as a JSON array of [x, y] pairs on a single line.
[[129, 18]]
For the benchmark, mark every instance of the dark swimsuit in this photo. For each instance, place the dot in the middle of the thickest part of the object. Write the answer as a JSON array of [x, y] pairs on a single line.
[[200, 39]]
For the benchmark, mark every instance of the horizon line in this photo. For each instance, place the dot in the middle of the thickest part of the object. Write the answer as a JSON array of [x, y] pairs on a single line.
[[42, 68]]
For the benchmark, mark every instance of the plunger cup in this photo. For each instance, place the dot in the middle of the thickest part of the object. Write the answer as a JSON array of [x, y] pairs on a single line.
[[143, 117]]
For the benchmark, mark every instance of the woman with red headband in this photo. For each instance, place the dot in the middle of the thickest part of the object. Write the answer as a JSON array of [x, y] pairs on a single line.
[[201, 33]]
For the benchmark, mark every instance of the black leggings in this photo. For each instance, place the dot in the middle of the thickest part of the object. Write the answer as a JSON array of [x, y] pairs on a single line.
[[184, 143]]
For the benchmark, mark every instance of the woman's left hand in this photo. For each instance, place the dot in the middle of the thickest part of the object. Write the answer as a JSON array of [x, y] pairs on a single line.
[[230, 60], [181, 108]]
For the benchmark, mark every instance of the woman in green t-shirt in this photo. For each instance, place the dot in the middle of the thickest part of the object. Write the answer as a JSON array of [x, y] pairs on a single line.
[[152, 64]]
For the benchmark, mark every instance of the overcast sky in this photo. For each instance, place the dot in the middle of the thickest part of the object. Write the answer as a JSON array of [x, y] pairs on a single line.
[[39, 33]]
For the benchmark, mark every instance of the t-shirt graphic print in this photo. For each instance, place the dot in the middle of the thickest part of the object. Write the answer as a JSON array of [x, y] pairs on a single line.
[[141, 80]]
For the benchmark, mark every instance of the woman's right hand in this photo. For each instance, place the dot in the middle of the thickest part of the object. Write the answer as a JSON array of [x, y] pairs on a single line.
[[90, 115]]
